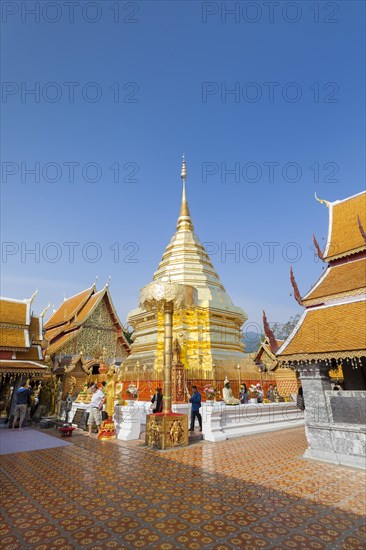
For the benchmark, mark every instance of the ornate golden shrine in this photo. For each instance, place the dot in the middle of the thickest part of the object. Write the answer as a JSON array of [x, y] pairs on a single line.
[[82, 334], [165, 431]]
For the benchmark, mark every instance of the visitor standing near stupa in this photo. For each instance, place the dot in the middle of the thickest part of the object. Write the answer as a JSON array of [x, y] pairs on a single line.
[[157, 401], [195, 411], [96, 405]]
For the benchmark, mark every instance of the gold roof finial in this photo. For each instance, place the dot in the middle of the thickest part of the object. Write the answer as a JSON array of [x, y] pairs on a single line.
[[322, 201]]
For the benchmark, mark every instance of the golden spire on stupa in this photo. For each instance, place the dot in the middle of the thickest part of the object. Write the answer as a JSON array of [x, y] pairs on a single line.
[[184, 220]]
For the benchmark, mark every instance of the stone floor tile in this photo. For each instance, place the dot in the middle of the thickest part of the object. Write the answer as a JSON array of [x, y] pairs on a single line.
[[256, 491]]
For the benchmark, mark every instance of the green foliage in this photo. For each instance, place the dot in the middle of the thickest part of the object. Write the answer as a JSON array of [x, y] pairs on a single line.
[[128, 335], [281, 331]]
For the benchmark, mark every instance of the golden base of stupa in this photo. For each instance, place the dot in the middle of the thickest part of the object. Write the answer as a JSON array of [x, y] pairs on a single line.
[[107, 430], [166, 430]]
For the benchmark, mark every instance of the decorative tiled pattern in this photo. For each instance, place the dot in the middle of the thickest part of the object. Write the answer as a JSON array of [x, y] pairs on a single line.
[[255, 491]]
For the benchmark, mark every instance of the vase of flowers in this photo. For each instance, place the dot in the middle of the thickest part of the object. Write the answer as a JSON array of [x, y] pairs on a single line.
[[253, 393], [210, 392], [132, 392]]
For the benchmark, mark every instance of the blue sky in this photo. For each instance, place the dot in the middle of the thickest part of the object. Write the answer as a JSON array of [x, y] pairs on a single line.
[[134, 90]]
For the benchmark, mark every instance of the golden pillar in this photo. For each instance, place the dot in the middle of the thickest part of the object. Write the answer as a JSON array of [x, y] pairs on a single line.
[[168, 348], [165, 430]]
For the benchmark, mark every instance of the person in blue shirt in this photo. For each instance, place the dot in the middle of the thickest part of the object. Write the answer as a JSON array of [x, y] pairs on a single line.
[[23, 395], [195, 411]]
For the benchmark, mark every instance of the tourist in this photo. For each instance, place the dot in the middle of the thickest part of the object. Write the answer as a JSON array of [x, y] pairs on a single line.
[[157, 401], [260, 393], [195, 410], [67, 408], [243, 394], [23, 395], [104, 390], [271, 396], [96, 405]]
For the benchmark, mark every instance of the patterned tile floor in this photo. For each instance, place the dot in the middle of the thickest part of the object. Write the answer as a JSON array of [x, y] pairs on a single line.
[[254, 492]]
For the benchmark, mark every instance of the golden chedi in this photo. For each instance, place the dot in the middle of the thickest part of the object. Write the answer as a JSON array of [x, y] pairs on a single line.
[[209, 332]]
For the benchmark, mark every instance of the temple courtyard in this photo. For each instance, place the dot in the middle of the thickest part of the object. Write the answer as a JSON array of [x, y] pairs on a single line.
[[255, 491]]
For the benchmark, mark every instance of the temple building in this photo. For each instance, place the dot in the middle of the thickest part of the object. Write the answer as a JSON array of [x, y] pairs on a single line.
[[285, 379], [21, 341], [209, 333], [332, 332], [82, 334]]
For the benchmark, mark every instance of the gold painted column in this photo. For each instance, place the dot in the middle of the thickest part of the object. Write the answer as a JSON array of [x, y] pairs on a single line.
[[168, 348], [167, 429]]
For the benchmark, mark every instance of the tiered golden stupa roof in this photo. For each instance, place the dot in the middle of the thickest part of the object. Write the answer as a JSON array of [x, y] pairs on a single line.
[[67, 322], [186, 261], [334, 324], [21, 337]]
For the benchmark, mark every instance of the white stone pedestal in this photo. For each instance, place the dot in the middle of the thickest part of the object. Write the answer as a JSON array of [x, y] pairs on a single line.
[[211, 412], [128, 418]]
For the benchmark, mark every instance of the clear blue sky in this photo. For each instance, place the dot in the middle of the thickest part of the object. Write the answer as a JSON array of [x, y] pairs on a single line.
[[298, 76]]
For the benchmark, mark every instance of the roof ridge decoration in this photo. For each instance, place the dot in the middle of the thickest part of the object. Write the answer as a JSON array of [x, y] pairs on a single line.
[[297, 294], [322, 201], [45, 309], [268, 331], [317, 247], [33, 295]]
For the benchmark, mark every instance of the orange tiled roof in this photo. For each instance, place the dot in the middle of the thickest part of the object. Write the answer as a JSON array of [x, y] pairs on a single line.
[[61, 341], [344, 235], [35, 329], [91, 303], [342, 279], [13, 312], [53, 332], [21, 366], [328, 331], [14, 338], [69, 308], [34, 353]]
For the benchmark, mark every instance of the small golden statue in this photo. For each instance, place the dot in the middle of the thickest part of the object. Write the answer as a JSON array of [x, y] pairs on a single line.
[[175, 433]]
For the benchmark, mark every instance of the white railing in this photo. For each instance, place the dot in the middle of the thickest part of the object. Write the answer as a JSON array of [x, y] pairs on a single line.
[[222, 421]]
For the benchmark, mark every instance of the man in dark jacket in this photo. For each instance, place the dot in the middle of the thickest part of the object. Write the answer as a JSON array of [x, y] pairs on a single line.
[[195, 411], [157, 401], [22, 396]]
